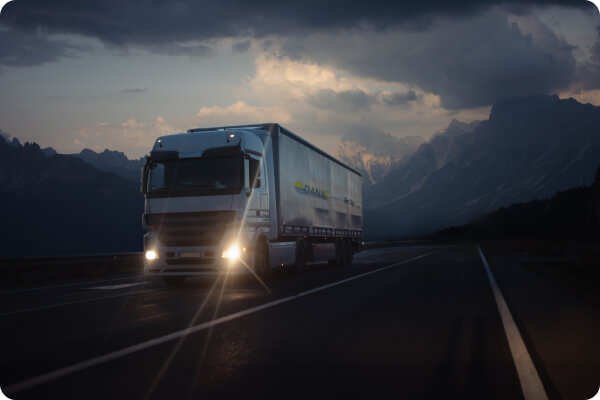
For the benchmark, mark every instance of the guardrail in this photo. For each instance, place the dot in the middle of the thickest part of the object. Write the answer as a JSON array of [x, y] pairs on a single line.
[[43, 268], [28, 269], [394, 243]]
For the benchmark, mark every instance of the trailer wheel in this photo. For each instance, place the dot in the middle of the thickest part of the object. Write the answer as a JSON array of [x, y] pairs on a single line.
[[174, 280], [261, 260], [339, 252], [346, 251], [349, 252], [343, 252], [300, 259]]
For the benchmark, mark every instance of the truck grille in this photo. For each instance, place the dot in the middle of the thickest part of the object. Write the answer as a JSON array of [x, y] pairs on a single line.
[[189, 261], [190, 229]]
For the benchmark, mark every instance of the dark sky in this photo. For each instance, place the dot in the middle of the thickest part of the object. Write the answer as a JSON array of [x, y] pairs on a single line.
[[105, 73]]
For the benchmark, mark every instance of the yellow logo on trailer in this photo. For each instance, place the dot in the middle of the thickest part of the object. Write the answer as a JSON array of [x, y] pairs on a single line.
[[311, 190]]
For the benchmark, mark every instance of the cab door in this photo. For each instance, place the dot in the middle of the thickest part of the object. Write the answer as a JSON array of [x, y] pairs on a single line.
[[256, 187]]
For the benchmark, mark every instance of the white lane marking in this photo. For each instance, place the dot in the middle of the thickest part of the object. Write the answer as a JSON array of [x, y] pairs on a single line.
[[531, 384], [121, 286], [3, 396], [59, 373], [81, 283], [68, 303], [367, 261]]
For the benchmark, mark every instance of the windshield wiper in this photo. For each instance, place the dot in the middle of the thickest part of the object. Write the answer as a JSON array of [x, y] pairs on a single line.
[[193, 185], [159, 190]]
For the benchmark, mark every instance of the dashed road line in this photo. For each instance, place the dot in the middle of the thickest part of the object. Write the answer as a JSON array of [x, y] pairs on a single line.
[[59, 373], [115, 287], [69, 303], [80, 283]]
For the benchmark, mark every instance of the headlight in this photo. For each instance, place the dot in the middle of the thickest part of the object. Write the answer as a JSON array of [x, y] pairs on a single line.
[[151, 255], [232, 253]]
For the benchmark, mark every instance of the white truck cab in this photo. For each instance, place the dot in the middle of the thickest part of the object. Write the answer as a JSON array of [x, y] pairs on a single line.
[[245, 199]]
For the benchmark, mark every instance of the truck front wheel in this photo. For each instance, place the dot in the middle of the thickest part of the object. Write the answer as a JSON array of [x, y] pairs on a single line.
[[300, 259], [261, 260]]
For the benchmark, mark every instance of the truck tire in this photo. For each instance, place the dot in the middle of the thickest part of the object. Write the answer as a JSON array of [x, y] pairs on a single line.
[[174, 280], [300, 258], [339, 252], [261, 260], [345, 253], [349, 252]]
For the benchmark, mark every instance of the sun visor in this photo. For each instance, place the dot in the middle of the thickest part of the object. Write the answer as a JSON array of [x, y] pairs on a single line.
[[164, 155], [223, 151]]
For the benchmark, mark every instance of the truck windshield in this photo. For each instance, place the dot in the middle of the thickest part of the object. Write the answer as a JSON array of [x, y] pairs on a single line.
[[194, 177]]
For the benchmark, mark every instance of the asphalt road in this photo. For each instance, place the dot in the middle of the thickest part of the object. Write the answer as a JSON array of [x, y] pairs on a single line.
[[402, 322]]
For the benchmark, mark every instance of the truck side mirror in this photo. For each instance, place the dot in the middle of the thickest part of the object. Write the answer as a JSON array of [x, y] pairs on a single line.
[[246, 173], [251, 173], [144, 180]]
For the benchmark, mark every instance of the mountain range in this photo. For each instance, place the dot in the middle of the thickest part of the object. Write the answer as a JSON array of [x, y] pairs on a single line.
[[529, 148], [109, 161], [59, 205], [115, 162], [374, 153]]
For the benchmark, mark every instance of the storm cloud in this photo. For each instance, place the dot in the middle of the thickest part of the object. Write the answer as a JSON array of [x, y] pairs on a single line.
[[344, 101], [469, 53], [22, 49], [395, 99], [469, 62], [150, 22], [349, 101]]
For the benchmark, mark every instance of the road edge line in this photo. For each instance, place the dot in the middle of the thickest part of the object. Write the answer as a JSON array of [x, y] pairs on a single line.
[[529, 379]]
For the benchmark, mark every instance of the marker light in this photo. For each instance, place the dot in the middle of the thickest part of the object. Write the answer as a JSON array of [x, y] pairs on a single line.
[[151, 255], [232, 253]]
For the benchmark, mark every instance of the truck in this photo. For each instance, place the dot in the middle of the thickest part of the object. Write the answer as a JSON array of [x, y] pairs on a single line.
[[246, 199]]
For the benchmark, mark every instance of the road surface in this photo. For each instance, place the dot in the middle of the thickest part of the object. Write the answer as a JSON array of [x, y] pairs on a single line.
[[428, 321]]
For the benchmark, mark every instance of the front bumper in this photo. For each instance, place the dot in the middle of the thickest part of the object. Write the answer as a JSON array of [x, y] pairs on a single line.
[[197, 262]]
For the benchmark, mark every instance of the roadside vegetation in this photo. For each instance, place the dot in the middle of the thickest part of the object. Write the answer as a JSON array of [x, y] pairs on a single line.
[[557, 237]]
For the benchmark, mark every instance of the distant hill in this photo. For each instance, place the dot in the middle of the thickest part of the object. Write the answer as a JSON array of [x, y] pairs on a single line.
[[569, 214], [530, 148], [55, 205], [112, 161], [115, 162]]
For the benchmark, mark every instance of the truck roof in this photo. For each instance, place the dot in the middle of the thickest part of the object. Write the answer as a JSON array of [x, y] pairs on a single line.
[[270, 127]]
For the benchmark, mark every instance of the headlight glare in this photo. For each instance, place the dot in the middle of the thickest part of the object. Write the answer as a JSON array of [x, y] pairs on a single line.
[[151, 255], [232, 253]]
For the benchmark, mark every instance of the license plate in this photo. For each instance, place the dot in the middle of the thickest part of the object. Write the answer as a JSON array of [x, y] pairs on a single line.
[[190, 254]]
